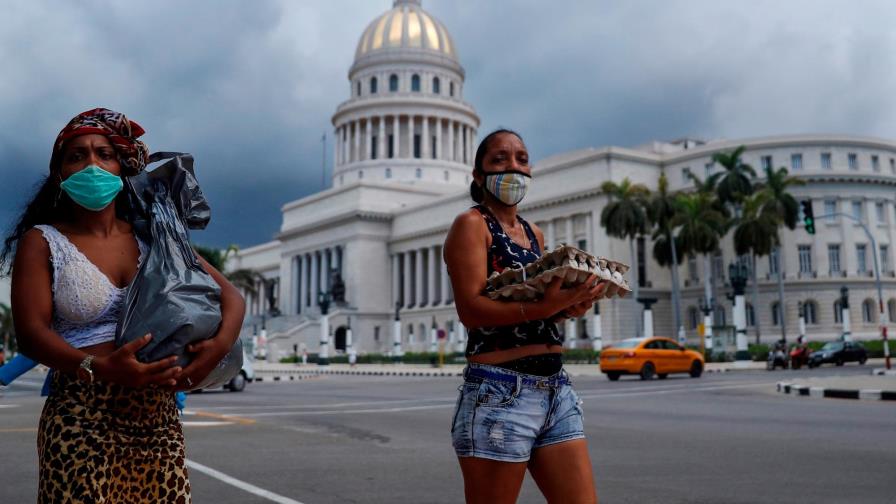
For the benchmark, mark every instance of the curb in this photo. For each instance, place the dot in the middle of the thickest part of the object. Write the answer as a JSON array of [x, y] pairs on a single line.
[[836, 393], [883, 372]]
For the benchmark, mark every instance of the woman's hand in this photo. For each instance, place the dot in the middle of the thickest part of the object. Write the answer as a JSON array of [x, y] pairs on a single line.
[[587, 292], [206, 355], [123, 368]]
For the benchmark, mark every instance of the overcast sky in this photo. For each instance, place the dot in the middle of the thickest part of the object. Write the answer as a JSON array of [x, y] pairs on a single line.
[[249, 87]]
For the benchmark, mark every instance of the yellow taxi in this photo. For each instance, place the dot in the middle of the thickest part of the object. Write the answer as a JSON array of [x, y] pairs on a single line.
[[648, 357]]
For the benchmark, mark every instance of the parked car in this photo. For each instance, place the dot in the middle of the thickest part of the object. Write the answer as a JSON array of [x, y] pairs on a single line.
[[838, 352], [238, 382], [648, 357]]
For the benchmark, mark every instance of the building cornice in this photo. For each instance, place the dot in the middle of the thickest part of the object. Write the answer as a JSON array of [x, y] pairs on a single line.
[[329, 222], [401, 103]]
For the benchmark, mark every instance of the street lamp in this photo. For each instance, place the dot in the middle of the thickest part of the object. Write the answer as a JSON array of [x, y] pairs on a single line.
[[737, 275], [706, 306], [396, 335], [323, 302]]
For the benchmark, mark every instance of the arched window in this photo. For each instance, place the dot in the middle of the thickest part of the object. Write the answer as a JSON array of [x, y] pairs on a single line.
[[436, 85], [451, 89], [810, 312], [776, 314], [868, 315], [838, 312], [388, 172], [751, 315], [373, 85], [393, 83], [415, 83], [359, 88], [693, 317]]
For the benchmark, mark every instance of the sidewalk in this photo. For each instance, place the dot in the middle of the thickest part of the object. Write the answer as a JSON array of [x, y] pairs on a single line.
[[872, 387], [265, 371]]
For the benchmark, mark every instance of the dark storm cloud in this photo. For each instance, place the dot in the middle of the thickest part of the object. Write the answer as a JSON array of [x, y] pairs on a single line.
[[249, 87]]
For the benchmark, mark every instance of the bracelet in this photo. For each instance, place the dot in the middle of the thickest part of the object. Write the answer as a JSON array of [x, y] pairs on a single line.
[[523, 313]]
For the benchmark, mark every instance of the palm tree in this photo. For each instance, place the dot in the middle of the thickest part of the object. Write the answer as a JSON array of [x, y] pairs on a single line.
[[780, 204], [736, 182], [625, 216], [662, 210], [756, 233], [701, 222]]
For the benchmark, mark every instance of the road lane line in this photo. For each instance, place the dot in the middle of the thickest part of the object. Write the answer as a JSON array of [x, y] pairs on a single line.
[[8, 406], [673, 391], [226, 418], [242, 485], [19, 429], [319, 405], [346, 412]]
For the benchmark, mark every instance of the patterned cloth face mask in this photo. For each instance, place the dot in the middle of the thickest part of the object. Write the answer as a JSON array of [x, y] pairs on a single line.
[[508, 187], [93, 187]]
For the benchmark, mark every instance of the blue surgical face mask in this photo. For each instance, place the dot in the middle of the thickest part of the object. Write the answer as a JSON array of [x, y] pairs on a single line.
[[93, 187]]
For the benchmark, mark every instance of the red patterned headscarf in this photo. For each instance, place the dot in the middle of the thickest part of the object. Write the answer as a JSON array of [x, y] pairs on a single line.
[[120, 130]]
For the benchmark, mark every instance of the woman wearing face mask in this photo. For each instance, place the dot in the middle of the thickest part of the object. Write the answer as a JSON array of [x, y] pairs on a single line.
[[516, 408], [109, 430]]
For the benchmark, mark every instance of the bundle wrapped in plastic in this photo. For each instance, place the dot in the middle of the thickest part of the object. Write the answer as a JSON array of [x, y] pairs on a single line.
[[172, 297], [569, 263]]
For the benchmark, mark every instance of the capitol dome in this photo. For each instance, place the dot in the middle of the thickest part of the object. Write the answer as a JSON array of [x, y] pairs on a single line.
[[405, 26]]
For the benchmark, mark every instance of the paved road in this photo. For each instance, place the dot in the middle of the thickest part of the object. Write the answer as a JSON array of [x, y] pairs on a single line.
[[725, 438]]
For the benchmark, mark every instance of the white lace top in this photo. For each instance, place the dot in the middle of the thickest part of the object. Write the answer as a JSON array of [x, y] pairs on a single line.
[[86, 304]]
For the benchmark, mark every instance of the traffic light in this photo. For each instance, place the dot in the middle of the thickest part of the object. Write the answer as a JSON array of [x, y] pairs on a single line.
[[808, 216]]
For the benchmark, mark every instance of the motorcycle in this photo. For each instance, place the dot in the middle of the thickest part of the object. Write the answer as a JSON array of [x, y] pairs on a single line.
[[776, 357], [799, 357]]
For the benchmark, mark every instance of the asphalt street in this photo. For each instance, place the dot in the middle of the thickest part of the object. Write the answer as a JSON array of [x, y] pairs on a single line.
[[722, 438]]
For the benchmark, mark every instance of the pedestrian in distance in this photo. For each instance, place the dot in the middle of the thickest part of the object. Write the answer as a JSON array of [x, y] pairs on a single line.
[[516, 409], [109, 430]]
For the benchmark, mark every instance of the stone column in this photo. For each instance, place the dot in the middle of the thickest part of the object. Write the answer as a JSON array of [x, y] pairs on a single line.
[[418, 277], [315, 277], [395, 131], [381, 139], [445, 281], [336, 160], [550, 237], [469, 145], [424, 138], [303, 284], [570, 237], [410, 137], [368, 132], [396, 280], [450, 151], [325, 272], [406, 299], [438, 152], [356, 140], [431, 269], [589, 231]]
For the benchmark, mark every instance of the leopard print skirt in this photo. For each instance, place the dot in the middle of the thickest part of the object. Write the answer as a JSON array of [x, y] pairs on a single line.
[[105, 443]]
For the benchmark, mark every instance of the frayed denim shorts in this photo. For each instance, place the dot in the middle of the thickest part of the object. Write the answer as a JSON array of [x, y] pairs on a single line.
[[503, 415]]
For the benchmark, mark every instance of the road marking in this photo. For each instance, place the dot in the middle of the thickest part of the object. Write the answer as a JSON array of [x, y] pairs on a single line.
[[324, 405], [346, 412], [226, 418], [200, 423], [242, 485], [20, 429], [672, 391], [8, 406]]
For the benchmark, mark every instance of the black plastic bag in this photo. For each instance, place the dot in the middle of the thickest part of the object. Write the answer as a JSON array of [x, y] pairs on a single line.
[[172, 297]]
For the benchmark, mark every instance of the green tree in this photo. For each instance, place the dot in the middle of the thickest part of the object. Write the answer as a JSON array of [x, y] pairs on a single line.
[[701, 221], [781, 206], [662, 211], [736, 182], [625, 216]]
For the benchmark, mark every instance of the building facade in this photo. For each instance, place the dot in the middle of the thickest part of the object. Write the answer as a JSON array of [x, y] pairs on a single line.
[[405, 140]]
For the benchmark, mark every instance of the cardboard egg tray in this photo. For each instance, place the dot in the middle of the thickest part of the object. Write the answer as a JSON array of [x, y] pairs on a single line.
[[571, 264]]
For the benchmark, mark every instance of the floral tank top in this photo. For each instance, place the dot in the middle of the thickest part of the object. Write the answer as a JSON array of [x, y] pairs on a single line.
[[505, 253]]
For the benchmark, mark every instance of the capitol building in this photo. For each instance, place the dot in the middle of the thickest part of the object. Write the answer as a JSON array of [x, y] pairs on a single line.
[[404, 144]]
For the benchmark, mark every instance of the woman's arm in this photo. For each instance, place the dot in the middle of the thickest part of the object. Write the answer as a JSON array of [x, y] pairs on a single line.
[[32, 307], [466, 256], [209, 352]]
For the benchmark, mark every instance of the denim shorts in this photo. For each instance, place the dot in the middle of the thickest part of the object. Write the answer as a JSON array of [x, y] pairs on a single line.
[[505, 415]]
